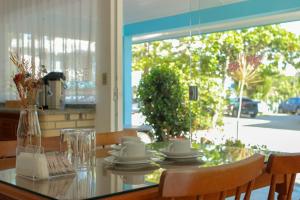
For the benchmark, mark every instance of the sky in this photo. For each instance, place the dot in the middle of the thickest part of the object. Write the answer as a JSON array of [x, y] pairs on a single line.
[[293, 27]]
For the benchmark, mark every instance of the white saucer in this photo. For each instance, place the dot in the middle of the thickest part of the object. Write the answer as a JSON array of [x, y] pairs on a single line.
[[116, 154], [192, 152], [183, 157], [114, 160]]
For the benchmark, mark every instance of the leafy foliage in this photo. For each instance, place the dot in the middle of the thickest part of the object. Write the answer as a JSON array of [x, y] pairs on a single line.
[[161, 98], [203, 60]]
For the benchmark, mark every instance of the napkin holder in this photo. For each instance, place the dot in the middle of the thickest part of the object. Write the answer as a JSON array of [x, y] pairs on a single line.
[[31, 163]]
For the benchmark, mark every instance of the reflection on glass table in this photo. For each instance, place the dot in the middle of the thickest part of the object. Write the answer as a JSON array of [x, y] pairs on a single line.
[[106, 179]]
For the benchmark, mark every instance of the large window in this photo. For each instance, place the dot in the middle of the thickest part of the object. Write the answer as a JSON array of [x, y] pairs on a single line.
[[58, 34], [265, 58]]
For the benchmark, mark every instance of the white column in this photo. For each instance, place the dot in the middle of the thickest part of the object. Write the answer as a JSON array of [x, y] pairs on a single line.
[[5, 68], [109, 101]]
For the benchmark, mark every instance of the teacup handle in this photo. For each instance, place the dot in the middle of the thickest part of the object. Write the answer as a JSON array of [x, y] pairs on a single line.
[[171, 147], [122, 153]]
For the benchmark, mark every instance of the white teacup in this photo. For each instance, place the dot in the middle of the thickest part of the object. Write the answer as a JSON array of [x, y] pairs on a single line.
[[133, 149], [129, 138], [179, 146]]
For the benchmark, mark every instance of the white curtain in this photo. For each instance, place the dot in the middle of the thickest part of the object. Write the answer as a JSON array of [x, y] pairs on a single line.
[[59, 34]]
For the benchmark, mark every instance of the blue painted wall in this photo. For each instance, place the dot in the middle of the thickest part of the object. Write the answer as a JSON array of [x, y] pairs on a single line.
[[226, 13], [127, 90]]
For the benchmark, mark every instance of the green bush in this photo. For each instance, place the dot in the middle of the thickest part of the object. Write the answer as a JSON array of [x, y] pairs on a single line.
[[161, 100]]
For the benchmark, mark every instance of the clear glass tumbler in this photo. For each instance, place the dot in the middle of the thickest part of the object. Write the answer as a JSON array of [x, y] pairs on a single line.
[[79, 145], [92, 137], [69, 145]]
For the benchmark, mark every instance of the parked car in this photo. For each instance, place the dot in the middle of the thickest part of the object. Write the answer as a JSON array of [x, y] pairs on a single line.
[[263, 107], [292, 105], [249, 107]]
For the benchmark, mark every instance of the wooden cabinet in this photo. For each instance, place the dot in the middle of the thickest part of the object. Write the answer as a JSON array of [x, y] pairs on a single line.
[[8, 125]]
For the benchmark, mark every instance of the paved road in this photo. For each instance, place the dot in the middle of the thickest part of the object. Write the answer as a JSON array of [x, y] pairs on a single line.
[[279, 132]]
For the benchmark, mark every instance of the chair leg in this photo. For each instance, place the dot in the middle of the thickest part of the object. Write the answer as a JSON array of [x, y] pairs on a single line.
[[291, 187], [282, 188], [248, 191], [222, 195], [282, 197], [238, 194], [272, 188]]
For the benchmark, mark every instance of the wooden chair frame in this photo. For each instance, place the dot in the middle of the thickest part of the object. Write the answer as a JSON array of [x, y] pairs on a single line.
[[8, 154], [51, 143], [8, 148], [198, 183], [287, 165]]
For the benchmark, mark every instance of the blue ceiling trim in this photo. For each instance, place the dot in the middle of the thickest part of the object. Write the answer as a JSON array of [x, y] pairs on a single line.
[[230, 12]]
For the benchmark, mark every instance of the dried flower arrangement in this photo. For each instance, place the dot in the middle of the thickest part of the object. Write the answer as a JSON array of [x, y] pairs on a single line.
[[27, 80]]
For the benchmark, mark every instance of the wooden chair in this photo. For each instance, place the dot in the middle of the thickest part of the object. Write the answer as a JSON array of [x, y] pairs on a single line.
[[51, 143], [8, 154], [8, 150], [286, 165], [197, 183], [103, 140]]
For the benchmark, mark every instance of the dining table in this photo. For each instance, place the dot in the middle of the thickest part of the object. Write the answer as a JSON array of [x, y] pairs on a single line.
[[108, 181]]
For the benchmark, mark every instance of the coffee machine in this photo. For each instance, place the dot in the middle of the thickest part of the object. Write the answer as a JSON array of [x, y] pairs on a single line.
[[52, 93]]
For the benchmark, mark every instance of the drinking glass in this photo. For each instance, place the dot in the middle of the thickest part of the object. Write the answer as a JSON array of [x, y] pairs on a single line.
[[69, 145], [79, 145], [92, 150]]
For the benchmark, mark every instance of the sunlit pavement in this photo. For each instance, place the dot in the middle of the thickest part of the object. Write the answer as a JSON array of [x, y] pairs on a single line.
[[278, 132]]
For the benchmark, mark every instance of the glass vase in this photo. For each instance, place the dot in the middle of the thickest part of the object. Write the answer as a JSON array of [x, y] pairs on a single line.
[[29, 132]]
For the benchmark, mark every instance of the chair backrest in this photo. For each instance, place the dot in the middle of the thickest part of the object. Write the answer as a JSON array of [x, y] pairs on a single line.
[[212, 180], [7, 163], [7, 154], [8, 148], [286, 165], [109, 138], [51, 143]]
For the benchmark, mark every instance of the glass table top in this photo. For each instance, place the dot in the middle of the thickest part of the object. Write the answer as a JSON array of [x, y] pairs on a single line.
[[107, 180]]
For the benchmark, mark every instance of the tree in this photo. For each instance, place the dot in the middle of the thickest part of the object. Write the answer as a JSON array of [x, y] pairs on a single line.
[[176, 55], [203, 60], [161, 100], [244, 70]]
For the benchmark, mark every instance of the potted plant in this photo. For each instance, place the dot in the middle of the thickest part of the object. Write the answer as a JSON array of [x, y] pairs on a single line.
[[161, 100]]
